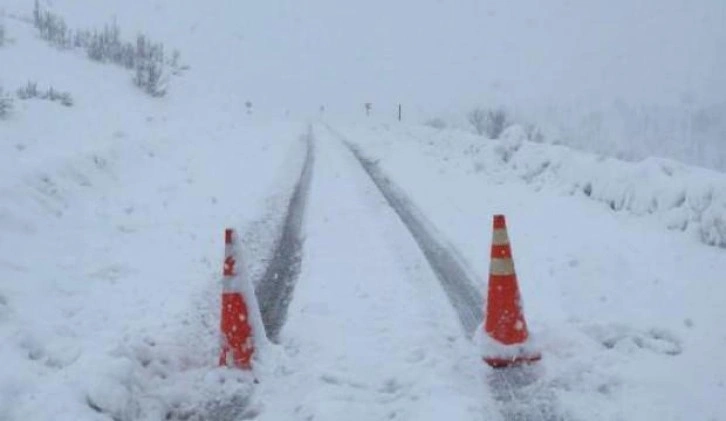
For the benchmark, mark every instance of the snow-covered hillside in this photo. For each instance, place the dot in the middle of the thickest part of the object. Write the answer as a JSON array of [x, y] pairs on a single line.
[[112, 210], [112, 213]]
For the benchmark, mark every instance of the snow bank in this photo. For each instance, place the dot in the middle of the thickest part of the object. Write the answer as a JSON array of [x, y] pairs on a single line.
[[679, 197]]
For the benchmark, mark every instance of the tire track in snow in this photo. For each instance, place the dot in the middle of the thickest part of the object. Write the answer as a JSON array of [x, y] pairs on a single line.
[[523, 396], [369, 333], [455, 277], [520, 391], [274, 292]]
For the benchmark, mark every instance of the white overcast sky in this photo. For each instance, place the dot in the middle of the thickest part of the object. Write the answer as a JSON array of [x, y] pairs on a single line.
[[438, 53]]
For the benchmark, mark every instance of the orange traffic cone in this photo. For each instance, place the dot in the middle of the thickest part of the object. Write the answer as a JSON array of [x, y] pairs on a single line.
[[237, 343], [505, 324]]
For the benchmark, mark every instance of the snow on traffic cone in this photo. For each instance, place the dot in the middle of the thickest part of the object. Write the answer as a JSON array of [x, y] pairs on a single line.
[[237, 341], [507, 338]]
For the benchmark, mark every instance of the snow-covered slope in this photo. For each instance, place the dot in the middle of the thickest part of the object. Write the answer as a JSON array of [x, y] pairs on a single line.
[[112, 213]]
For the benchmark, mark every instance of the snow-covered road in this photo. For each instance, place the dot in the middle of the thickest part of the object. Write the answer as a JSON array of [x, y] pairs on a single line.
[[517, 390], [112, 213], [370, 334], [276, 287], [456, 278], [627, 313]]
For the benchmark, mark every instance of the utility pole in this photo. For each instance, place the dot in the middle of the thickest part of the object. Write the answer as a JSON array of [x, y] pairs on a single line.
[[399, 112]]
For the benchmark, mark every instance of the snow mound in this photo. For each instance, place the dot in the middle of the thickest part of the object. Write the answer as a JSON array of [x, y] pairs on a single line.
[[681, 197], [678, 196]]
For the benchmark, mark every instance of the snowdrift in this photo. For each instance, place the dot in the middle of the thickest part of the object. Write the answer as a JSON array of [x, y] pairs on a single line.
[[679, 197]]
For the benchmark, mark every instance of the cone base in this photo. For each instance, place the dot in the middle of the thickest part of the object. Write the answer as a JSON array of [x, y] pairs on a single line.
[[500, 362], [231, 359]]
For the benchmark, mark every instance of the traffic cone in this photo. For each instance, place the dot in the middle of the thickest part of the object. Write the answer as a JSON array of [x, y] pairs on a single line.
[[237, 343], [505, 326]]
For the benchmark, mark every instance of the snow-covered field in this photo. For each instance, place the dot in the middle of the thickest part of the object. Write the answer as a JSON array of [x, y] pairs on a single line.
[[112, 214]]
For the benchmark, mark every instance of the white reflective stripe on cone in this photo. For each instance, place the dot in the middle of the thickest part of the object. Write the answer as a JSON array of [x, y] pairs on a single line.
[[501, 267], [500, 237], [228, 250]]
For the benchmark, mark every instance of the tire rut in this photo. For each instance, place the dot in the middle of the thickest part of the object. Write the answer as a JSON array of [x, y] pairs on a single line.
[[453, 274], [274, 291]]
